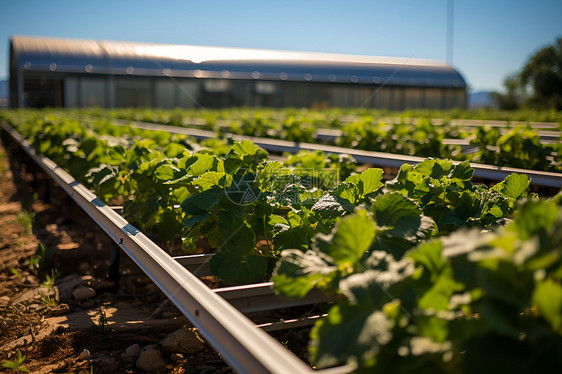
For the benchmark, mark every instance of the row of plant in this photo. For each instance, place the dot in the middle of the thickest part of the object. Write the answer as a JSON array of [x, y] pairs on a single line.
[[519, 147], [169, 184], [474, 301], [334, 116], [419, 285]]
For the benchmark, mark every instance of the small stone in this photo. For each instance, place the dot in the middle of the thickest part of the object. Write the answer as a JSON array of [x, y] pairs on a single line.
[[150, 359], [36, 307], [4, 300], [183, 341], [9, 322], [60, 309], [29, 279], [60, 368], [67, 246], [84, 355], [133, 351], [83, 293]]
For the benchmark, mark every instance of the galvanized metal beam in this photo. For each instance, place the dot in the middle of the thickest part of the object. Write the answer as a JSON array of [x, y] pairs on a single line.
[[260, 297]]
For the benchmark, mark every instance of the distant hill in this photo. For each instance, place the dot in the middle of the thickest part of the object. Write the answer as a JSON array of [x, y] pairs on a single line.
[[480, 99]]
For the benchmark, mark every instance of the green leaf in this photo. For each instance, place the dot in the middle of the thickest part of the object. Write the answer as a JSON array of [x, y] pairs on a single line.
[[203, 164], [438, 295], [246, 147], [534, 217], [236, 267], [462, 171], [329, 206], [431, 327], [168, 226], [349, 240], [399, 217], [466, 205], [434, 168], [297, 272], [244, 154], [409, 182], [367, 182], [293, 238], [514, 186], [101, 174], [189, 222], [166, 172], [429, 255], [238, 238], [547, 297], [349, 334], [370, 288], [275, 219], [174, 150], [294, 219], [201, 202], [209, 179]]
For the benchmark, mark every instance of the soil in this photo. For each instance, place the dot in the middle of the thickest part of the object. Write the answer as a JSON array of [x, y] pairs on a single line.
[[45, 236]]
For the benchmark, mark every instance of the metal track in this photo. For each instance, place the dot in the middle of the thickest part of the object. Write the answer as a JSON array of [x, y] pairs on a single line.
[[492, 172], [546, 137], [246, 348], [548, 131], [259, 297]]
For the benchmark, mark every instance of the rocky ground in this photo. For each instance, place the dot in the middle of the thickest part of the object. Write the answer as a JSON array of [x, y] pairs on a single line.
[[57, 307]]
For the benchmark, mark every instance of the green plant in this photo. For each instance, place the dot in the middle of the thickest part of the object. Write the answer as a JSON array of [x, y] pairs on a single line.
[[16, 366], [25, 219], [15, 272], [49, 280], [468, 302], [519, 147], [2, 160], [40, 258], [34, 262], [47, 300], [103, 326]]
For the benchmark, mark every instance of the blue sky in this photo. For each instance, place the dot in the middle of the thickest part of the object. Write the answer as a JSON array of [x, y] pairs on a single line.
[[491, 38]]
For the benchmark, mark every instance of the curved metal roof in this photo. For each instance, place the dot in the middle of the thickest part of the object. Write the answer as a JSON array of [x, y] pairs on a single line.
[[130, 58]]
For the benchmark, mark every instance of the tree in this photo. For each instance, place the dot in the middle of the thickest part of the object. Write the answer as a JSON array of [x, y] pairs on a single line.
[[543, 73], [514, 96]]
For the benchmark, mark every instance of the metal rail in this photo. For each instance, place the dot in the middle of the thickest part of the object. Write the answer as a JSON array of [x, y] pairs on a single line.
[[260, 297], [250, 298], [492, 172], [460, 122], [548, 132], [546, 137], [246, 348], [291, 323]]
